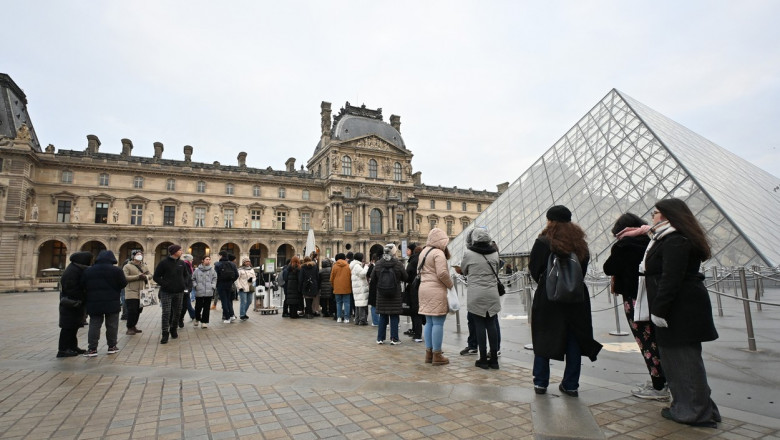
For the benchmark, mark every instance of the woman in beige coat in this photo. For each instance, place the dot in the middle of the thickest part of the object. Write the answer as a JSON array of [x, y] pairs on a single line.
[[434, 282]]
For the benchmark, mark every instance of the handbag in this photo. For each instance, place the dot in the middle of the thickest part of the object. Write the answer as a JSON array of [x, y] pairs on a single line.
[[501, 288], [414, 286], [641, 308], [452, 300], [69, 302]]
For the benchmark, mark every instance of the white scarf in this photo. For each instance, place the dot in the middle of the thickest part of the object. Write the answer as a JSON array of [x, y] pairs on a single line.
[[641, 309]]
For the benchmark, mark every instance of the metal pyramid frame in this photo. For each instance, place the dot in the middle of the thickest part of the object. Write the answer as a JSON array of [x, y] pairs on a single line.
[[623, 156]]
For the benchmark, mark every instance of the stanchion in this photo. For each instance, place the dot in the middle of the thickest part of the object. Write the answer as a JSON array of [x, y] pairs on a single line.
[[717, 289], [617, 331], [757, 279], [746, 306], [457, 314], [529, 301]]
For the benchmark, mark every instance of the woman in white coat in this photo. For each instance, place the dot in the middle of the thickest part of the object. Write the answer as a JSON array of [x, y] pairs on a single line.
[[358, 270]]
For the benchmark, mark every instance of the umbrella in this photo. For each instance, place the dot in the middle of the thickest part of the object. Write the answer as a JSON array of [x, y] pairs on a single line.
[[309, 244]]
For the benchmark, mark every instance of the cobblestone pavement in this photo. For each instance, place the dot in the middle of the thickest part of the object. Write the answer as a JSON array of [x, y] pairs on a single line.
[[271, 377]]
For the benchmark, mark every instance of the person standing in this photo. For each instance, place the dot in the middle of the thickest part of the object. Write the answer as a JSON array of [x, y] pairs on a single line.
[[307, 280], [325, 288], [386, 279], [245, 282], [171, 275], [292, 288], [480, 264], [680, 309], [341, 280], [103, 282], [137, 275], [204, 282], [358, 270], [413, 252], [434, 281], [560, 330], [73, 299], [227, 274], [623, 265], [186, 301]]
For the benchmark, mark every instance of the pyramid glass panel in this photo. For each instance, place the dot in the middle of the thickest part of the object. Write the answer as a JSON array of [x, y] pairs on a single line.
[[623, 156]]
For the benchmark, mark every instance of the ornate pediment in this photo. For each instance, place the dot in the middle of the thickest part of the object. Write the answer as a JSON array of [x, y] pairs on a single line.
[[101, 197], [257, 206], [201, 203], [229, 205], [169, 201], [137, 200], [63, 195], [373, 142], [281, 207]]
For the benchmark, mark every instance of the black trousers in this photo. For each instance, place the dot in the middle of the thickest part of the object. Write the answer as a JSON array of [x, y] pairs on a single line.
[[133, 311], [202, 308], [170, 303], [68, 339], [417, 323], [482, 325]]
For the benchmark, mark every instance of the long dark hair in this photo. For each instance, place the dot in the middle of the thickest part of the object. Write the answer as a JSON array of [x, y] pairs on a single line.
[[565, 238], [627, 220], [680, 216]]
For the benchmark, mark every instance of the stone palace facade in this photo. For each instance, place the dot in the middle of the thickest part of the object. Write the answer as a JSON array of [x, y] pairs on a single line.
[[357, 192]]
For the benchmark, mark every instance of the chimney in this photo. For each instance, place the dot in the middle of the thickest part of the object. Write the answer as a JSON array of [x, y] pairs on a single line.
[[187, 153], [290, 164], [395, 122], [325, 124], [158, 150], [242, 159], [93, 144], [127, 147]]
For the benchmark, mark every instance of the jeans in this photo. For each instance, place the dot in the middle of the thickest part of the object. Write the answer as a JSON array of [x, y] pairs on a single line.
[[342, 306], [382, 329], [112, 326], [374, 316], [571, 373], [122, 301], [433, 331], [186, 304], [245, 299], [226, 298]]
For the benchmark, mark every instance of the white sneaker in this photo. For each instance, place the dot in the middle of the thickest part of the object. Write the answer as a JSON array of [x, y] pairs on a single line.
[[346, 321], [642, 386], [227, 321], [340, 320], [204, 325], [195, 323], [653, 394], [232, 318]]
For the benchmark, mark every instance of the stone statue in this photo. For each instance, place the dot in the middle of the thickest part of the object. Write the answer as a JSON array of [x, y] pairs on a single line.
[[184, 218], [151, 218], [50, 149], [76, 213], [322, 225], [34, 214], [246, 221], [23, 133], [115, 215], [216, 219]]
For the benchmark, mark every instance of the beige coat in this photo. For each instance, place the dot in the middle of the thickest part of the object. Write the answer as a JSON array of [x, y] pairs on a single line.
[[434, 276], [134, 283]]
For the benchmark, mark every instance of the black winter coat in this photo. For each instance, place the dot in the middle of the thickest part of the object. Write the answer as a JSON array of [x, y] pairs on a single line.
[[371, 293], [388, 305], [676, 292], [292, 288], [326, 289], [623, 264], [104, 282], [171, 275], [411, 272], [308, 270], [551, 320], [71, 287]]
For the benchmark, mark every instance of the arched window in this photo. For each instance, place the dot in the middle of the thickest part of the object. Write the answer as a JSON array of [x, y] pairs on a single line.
[[397, 172], [376, 221], [346, 166], [372, 169]]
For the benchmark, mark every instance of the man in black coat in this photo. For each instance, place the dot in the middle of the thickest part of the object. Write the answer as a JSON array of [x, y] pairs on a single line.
[[227, 274], [171, 275], [103, 282], [72, 304]]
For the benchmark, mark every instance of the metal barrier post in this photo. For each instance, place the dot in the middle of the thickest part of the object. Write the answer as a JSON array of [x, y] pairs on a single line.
[[457, 314], [617, 331], [746, 306], [757, 279], [717, 289]]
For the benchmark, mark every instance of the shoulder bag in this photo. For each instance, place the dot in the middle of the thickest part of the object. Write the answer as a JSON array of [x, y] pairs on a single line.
[[501, 288]]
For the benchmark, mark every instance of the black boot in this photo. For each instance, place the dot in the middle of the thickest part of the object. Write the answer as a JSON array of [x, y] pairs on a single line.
[[164, 339], [174, 333], [493, 360], [482, 362]]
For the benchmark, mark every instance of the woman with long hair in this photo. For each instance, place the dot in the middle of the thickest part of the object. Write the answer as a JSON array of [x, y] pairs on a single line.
[[623, 265], [292, 288], [434, 281], [560, 330], [680, 309]]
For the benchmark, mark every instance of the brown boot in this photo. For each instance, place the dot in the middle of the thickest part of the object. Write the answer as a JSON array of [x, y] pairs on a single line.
[[130, 331], [439, 359], [137, 330], [428, 355]]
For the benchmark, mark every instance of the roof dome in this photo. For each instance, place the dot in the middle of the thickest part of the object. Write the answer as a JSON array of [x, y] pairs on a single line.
[[355, 122]]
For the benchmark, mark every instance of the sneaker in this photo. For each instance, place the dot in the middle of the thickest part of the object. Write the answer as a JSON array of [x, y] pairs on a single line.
[[91, 353], [652, 393], [204, 325], [232, 318], [380, 342], [418, 340], [540, 390], [340, 320], [227, 321], [468, 351], [395, 341], [112, 350], [195, 322], [346, 321], [244, 318], [642, 386]]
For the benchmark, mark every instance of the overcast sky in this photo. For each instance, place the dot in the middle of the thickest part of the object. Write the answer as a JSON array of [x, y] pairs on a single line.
[[483, 88]]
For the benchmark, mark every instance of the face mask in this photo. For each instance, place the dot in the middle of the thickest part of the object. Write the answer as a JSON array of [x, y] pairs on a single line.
[[139, 257]]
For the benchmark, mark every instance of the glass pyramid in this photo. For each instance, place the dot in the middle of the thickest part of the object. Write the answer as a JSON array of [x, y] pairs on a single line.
[[623, 156]]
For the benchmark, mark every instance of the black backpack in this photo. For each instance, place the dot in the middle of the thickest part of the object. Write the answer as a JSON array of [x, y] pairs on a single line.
[[565, 282], [386, 284], [308, 287], [226, 271]]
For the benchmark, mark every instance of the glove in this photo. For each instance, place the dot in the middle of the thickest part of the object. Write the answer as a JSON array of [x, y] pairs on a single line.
[[142, 277], [659, 322]]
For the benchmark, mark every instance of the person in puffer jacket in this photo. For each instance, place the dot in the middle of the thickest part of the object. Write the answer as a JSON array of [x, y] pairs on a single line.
[[245, 284], [72, 311], [103, 282], [326, 289], [358, 270], [204, 282], [434, 282]]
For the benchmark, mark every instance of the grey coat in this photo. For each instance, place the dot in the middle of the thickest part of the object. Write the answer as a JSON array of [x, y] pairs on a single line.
[[204, 281], [482, 295]]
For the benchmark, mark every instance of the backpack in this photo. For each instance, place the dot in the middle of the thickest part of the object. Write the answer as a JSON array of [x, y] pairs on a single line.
[[565, 282], [308, 289], [226, 272], [386, 282]]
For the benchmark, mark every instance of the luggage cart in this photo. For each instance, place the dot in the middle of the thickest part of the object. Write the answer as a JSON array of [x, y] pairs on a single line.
[[149, 296], [266, 298]]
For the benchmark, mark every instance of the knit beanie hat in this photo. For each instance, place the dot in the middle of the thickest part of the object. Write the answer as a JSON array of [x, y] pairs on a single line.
[[172, 249], [559, 213]]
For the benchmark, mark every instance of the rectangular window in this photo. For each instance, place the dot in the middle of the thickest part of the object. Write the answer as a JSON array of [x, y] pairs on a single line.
[[433, 204], [433, 224], [229, 189], [101, 212], [103, 179], [256, 191], [449, 227], [138, 182], [464, 225], [463, 206], [136, 214], [200, 217], [67, 177], [281, 220], [305, 195], [229, 218], [63, 211], [281, 193], [305, 221], [170, 185], [348, 221], [255, 217], [169, 215], [449, 205], [479, 207], [201, 186], [399, 222]]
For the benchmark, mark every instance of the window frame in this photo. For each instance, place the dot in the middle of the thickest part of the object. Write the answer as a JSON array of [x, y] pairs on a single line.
[[138, 182], [230, 189], [100, 205], [346, 165], [200, 186], [170, 185], [103, 179], [66, 177], [397, 172], [169, 215], [136, 214], [62, 215], [373, 169]]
